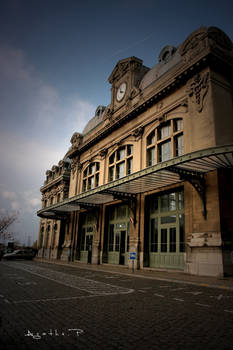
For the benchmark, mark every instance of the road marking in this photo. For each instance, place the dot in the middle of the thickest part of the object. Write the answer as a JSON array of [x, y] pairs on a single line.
[[72, 281], [56, 299], [141, 291], [229, 311], [177, 299], [205, 305], [174, 290], [194, 293], [7, 301], [159, 295]]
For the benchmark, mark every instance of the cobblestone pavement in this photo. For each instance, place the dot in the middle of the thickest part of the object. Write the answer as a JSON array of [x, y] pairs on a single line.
[[46, 306]]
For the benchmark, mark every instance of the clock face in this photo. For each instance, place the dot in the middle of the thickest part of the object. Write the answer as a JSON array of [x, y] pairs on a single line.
[[121, 92]]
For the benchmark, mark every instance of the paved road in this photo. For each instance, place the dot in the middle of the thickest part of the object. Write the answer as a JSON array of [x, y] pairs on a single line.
[[45, 306]]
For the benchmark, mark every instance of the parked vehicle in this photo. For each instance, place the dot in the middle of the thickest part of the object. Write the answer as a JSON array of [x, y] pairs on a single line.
[[20, 254]]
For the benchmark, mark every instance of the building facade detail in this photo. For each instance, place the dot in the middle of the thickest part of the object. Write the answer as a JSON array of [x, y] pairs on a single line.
[[151, 173]]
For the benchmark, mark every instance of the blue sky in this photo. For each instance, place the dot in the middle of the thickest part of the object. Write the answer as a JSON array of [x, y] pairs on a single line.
[[55, 60]]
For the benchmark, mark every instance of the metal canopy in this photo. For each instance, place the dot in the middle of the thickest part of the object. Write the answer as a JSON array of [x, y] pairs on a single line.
[[190, 167]]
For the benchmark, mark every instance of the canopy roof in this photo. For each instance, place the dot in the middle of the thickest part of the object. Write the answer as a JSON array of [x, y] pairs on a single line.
[[188, 167]]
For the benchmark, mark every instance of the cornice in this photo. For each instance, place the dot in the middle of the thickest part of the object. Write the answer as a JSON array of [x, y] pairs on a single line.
[[63, 177]]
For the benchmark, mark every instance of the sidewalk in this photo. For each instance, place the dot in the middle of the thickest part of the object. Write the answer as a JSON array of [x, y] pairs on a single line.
[[149, 273]]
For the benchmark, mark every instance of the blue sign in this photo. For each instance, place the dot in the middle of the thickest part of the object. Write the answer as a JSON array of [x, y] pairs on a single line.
[[132, 256]]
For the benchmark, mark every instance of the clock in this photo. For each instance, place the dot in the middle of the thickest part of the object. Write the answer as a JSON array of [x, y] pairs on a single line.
[[121, 92]]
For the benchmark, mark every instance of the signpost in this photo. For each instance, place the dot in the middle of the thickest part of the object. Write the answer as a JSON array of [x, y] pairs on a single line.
[[132, 256]]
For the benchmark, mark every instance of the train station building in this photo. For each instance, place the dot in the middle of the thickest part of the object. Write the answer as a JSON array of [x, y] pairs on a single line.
[[151, 175]]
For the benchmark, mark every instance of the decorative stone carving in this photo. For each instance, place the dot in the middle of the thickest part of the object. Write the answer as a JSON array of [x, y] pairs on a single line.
[[76, 140], [108, 113], [79, 166], [166, 54], [74, 164], [137, 133], [198, 90], [48, 173], [55, 168], [134, 92], [103, 153]]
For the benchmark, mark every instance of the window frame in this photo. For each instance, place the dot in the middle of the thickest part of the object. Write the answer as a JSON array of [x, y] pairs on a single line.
[[91, 176], [116, 161], [166, 133]]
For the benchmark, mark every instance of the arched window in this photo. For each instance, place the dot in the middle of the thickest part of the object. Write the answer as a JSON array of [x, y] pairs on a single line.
[[121, 163], [165, 142], [91, 176]]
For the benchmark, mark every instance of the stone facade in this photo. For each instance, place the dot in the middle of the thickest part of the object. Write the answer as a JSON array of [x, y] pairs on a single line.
[[158, 119]]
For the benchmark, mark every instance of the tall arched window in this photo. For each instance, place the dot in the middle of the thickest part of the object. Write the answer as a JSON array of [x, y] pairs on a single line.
[[165, 142], [91, 176], [120, 163]]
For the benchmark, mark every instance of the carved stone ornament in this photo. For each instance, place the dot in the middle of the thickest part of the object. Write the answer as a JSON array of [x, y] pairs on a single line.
[[108, 113], [134, 92], [103, 153], [54, 168], [74, 164], [137, 133], [76, 140], [198, 90]]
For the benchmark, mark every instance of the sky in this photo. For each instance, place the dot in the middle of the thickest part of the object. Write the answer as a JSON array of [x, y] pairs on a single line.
[[55, 60]]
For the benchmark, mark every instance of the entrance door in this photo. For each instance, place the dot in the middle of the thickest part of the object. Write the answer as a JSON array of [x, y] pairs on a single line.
[[166, 240], [122, 248], [89, 239]]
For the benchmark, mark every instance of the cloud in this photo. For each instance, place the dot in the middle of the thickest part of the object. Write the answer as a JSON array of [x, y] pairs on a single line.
[[9, 195], [37, 122]]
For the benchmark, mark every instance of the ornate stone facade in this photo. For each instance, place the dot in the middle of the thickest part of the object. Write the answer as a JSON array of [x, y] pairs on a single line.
[[151, 172]]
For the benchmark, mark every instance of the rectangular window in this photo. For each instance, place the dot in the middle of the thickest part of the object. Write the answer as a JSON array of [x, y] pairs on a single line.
[[117, 242], [83, 239], [165, 151], [179, 145], [92, 168], [181, 200], [164, 131], [172, 201], [97, 166], [168, 219], [182, 233], [84, 185], [111, 238], [151, 139], [121, 154], [129, 150], [111, 174], [112, 158], [121, 226], [154, 235], [129, 166], [151, 156], [91, 182], [97, 180], [154, 205], [120, 170], [85, 172], [163, 240], [178, 125], [172, 245]]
